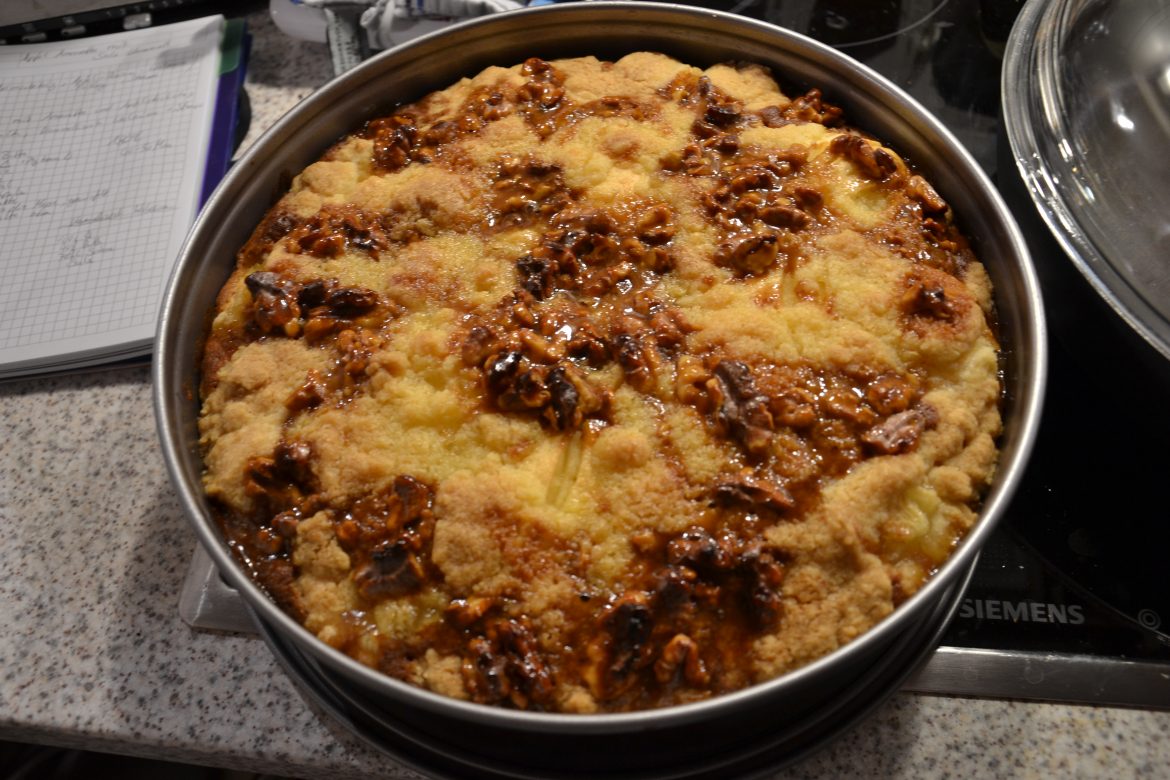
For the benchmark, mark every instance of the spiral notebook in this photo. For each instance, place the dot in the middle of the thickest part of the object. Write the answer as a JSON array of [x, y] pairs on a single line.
[[108, 146]]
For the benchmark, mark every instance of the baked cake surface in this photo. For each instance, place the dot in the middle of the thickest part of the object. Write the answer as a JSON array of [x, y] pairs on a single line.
[[586, 386]]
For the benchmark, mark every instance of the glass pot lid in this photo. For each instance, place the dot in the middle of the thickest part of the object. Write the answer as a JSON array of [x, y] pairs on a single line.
[[1086, 101]]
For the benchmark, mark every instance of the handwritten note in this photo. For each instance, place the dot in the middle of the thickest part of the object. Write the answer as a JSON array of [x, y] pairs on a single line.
[[103, 143]]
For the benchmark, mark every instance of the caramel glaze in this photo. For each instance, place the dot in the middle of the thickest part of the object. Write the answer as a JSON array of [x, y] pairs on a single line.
[[586, 297]]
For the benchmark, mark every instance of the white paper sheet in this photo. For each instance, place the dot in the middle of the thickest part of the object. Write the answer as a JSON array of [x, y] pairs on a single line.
[[103, 143]]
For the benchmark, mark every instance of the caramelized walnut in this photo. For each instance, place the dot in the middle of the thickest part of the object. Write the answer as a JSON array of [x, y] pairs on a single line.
[[637, 358], [466, 612], [900, 432], [788, 217], [681, 652], [927, 298], [541, 95], [393, 140], [891, 393], [794, 406], [506, 666], [876, 163], [753, 493], [754, 254], [526, 189], [550, 266], [698, 550], [337, 301], [483, 106], [714, 131], [798, 424], [927, 237], [758, 203], [920, 190], [284, 480], [629, 624], [334, 229], [517, 385], [309, 395], [314, 310], [654, 226], [274, 304], [809, 107], [559, 394], [388, 536], [740, 410], [722, 114], [573, 398], [479, 345], [700, 582], [807, 198], [275, 226], [693, 160], [762, 576], [380, 517], [585, 343], [393, 570]]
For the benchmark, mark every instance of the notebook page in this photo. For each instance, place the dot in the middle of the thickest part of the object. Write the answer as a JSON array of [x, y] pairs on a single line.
[[102, 149]]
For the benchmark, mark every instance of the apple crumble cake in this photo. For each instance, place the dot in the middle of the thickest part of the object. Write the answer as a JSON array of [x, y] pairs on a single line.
[[592, 386]]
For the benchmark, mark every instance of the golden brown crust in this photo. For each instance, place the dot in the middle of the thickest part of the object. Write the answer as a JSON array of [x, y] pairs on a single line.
[[592, 386]]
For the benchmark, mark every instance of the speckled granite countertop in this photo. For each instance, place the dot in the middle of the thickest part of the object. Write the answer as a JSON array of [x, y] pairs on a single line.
[[93, 654]]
